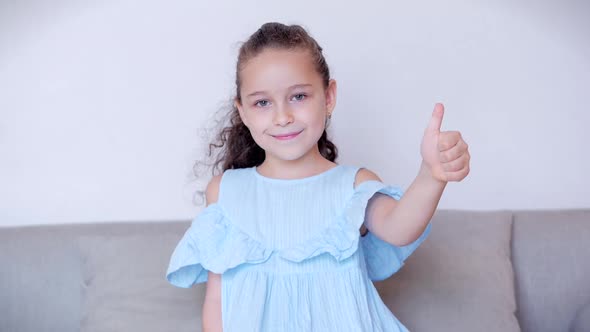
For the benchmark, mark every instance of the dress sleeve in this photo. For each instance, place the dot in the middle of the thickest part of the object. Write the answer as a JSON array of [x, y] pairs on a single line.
[[382, 258], [212, 243]]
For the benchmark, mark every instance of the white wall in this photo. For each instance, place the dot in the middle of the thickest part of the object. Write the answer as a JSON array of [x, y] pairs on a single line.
[[100, 102]]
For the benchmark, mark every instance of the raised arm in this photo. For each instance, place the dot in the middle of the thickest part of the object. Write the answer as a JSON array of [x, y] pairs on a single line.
[[445, 157]]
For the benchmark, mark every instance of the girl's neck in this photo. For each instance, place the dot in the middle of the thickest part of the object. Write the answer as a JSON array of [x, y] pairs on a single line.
[[294, 169]]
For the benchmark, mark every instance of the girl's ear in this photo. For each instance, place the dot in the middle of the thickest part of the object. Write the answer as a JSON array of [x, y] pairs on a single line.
[[238, 105], [331, 96]]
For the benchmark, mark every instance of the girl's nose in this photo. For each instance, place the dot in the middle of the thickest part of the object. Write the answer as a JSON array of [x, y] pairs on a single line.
[[283, 116]]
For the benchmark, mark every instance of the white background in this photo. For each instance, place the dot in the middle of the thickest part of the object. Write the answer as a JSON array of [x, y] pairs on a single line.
[[101, 102]]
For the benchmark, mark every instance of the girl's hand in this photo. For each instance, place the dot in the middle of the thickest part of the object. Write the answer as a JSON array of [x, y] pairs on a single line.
[[444, 153]]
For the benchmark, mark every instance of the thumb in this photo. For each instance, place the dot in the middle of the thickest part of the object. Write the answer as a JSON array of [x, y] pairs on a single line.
[[437, 116]]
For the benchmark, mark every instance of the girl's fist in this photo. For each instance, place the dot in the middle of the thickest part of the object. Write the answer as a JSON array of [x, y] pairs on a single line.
[[444, 153]]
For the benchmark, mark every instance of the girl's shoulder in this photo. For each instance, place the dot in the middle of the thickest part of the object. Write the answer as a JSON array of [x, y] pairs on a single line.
[[223, 187], [363, 174], [212, 190]]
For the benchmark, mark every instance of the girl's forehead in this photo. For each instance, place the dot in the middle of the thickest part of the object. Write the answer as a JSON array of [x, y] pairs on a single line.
[[277, 69]]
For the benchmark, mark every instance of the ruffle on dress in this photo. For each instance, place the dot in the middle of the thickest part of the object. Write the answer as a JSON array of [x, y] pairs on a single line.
[[213, 243], [341, 239]]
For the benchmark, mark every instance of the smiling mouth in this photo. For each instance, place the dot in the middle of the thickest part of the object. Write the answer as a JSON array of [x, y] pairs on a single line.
[[287, 136]]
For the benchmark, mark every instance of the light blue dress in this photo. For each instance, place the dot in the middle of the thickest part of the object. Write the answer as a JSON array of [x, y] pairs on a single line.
[[290, 253]]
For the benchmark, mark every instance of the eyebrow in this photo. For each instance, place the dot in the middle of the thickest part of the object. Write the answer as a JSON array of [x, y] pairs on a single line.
[[290, 88]]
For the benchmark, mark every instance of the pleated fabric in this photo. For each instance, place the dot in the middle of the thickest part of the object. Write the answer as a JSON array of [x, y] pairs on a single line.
[[290, 253]]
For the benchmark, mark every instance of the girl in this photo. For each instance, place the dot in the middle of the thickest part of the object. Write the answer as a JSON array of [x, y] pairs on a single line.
[[290, 240]]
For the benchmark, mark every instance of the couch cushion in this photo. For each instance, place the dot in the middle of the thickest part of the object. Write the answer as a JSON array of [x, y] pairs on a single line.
[[39, 280], [551, 251], [125, 287], [459, 279], [581, 322]]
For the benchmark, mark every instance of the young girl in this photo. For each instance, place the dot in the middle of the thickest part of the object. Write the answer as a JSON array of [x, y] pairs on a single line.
[[290, 240]]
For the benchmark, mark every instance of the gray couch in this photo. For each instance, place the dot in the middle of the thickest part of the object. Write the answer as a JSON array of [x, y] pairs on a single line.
[[477, 271]]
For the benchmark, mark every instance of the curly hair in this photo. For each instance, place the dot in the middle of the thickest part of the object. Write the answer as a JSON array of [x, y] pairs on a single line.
[[233, 145]]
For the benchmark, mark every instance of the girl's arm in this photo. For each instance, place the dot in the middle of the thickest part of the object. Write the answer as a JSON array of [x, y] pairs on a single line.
[[212, 305], [445, 157], [401, 222]]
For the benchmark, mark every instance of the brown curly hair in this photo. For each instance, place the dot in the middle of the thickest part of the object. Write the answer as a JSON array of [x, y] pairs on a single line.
[[234, 145]]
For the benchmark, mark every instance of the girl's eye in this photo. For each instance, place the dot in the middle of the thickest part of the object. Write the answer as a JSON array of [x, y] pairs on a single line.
[[261, 103], [300, 96]]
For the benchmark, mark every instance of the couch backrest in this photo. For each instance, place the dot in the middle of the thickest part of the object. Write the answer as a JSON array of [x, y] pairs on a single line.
[[551, 258], [41, 277], [460, 278], [42, 281], [93, 277]]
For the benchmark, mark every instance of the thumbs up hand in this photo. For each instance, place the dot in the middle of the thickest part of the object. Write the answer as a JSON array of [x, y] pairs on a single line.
[[445, 153]]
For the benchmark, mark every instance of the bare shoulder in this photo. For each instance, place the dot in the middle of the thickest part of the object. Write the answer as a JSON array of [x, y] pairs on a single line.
[[365, 175], [212, 190]]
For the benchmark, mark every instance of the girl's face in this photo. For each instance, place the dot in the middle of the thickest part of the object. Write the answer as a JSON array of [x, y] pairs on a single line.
[[284, 103]]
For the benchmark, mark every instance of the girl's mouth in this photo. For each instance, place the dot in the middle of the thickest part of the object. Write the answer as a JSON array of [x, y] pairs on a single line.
[[287, 136]]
